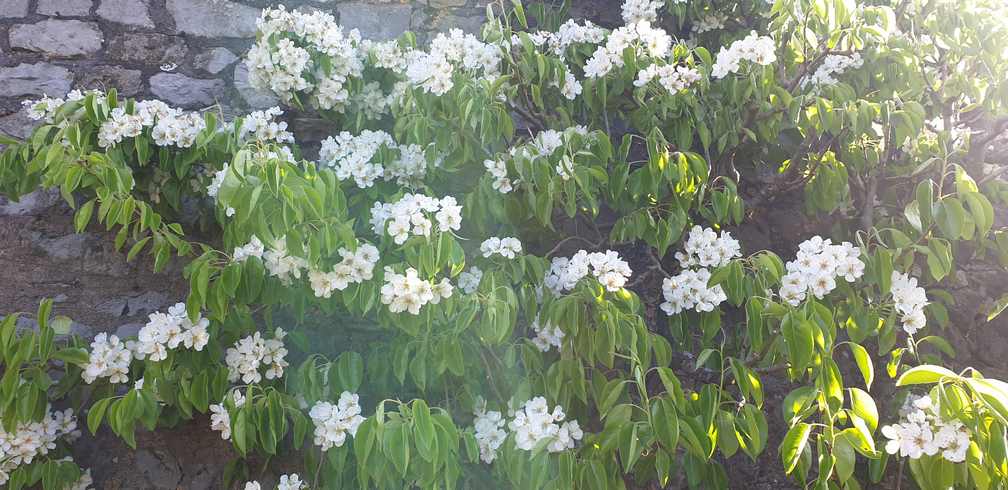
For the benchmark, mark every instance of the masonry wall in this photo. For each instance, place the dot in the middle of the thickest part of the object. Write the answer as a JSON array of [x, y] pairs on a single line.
[[186, 52]]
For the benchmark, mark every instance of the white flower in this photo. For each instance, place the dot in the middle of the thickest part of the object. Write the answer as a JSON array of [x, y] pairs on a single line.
[[705, 248], [641, 10], [291, 482], [334, 422], [547, 335], [507, 247], [534, 423], [412, 214], [689, 291], [109, 358], [608, 268], [253, 485], [831, 66], [490, 434], [356, 267], [816, 268], [249, 354], [261, 126], [909, 300], [753, 48], [468, 281], [408, 292], [169, 331]]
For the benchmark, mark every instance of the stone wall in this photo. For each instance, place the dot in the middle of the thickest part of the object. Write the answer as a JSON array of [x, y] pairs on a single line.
[[186, 52]]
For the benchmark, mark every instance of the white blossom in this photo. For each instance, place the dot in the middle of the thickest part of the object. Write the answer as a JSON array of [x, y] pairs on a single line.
[[250, 354], [535, 423], [109, 358], [607, 267], [489, 433], [334, 422], [756, 49], [909, 301], [412, 214], [816, 268], [408, 292], [507, 247]]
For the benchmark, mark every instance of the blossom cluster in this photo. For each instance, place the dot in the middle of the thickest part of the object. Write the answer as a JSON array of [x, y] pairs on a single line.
[[220, 419], [171, 126], [507, 247], [673, 78], [45, 109], [909, 300], [832, 65], [753, 48], [165, 331], [408, 292], [109, 358], [262, 126], [815, 269], [280, 60], [287, 482], [433, 71], [469, 280], [32, 439], [547, 335], [705, 248], [247, 355], [371, 155], [357, 266], [923, 431], [277, 261], [641, 36], [535, 423], [334, 422], [568, 34], [689, 290], [489, 433], [543, 145], [412, 214], [610, 270], [641, 10]]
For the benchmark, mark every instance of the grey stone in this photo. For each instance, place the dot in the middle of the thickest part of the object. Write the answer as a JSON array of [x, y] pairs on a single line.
[[125, 81], [13, 8], [145, 303], [128, 330], [471, 24], [58, 38], [215, 60], [129, 12], [213, 18], [31, 204], [87, 252], [447, 3], [380, 22], [148, 48], [34, 79], [64, 8], [17, 125], [180, 90], [159, 467], [255, 98], [25, 324]]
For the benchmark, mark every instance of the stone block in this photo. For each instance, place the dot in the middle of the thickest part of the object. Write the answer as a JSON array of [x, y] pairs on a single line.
[[64, 8], [134, 13], [213, 18], [58, 38], [379, 22], [34, 80], [180, 90]]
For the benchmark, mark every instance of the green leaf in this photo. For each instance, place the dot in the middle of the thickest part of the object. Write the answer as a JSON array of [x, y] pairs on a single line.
[[95, 414], [926, 374], [423, 428], [83, 216], [864, 363], [864, 407], [793, 444]]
